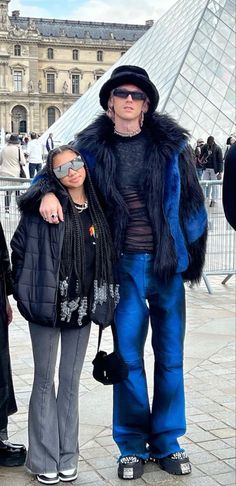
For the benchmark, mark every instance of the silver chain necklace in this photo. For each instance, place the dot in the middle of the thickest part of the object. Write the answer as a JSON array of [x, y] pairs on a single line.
[[81, 207], [127, 134]]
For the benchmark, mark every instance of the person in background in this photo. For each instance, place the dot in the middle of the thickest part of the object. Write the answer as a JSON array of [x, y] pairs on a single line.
[[63, 279], [229, 186], [142, 166], [10, 454], [34, 155], [25, 145], [11, 158], [230, 140], [198, 159], [7, 136], [212, 160], [49, 142]]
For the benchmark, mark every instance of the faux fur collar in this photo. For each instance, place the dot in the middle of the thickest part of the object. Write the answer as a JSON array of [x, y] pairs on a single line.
[[162, 130]]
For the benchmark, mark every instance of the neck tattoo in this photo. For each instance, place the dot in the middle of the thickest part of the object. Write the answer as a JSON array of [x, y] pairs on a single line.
[[81, 207], [127, 134]]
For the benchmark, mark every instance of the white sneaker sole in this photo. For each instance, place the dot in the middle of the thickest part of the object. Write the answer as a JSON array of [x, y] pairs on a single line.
[[47, 481], [68, 478]]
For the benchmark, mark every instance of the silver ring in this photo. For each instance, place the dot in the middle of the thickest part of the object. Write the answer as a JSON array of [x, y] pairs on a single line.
[[54, 216]]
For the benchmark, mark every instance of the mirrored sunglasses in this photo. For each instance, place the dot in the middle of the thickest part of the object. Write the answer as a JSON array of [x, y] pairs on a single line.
[[63, 170], [124, 93]]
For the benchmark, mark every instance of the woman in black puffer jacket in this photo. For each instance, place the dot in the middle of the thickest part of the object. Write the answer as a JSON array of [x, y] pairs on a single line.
[[62, 280]]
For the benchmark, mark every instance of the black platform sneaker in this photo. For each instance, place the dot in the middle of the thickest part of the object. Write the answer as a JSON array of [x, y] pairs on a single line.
[[130, 467], [177, 463], [12, 454]]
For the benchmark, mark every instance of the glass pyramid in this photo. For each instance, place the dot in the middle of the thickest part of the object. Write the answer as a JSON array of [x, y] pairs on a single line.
[[190, 55]]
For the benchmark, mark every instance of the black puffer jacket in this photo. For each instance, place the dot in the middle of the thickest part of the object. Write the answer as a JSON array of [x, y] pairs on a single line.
[[36, 249], [217, 157]]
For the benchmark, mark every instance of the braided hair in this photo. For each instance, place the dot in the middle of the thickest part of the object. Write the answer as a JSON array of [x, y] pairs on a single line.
[[73, 256]]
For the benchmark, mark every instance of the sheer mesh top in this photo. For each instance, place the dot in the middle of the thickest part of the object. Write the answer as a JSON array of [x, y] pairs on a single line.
[[130, 177]]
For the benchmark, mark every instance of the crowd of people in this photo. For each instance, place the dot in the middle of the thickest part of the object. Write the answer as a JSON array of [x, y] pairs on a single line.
[[111, 228], [21, 157], [209, 162]]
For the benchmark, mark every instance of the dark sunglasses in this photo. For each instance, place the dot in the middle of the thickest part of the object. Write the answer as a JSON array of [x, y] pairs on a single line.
[[135, 95], [63, 170]]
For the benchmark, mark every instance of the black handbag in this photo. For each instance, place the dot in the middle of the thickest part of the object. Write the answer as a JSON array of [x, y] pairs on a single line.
[[109, 369], [22, 172]]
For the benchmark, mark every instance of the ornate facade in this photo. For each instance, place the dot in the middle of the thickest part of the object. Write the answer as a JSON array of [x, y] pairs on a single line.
[[47, 64]]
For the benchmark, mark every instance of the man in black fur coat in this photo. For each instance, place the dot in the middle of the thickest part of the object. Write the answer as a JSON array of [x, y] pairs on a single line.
[[141, 164]]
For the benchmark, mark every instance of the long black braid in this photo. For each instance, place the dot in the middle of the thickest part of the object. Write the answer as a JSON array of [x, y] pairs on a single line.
[[73, 256]]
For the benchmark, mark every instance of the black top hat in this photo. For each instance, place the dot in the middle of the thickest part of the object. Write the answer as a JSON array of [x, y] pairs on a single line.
[[14, 138], [130, 75]]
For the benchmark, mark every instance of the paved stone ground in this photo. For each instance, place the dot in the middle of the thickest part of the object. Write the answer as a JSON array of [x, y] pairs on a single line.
[[210, 387]]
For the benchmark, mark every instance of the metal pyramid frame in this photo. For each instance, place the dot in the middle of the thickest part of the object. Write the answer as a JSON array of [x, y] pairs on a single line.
[[190, 55]]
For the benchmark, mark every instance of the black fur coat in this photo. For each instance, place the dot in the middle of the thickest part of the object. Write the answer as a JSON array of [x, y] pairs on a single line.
[[174, 198]]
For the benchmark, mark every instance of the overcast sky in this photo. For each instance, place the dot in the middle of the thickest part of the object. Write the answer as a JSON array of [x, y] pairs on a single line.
[[123, 11]]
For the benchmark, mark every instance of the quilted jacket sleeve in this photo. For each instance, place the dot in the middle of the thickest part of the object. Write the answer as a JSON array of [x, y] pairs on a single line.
[[18, 246]]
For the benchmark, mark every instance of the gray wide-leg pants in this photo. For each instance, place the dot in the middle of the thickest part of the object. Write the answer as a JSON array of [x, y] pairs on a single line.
[[54, 420]]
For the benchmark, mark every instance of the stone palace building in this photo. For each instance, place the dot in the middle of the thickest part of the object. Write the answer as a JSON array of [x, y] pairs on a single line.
[[47, 64]]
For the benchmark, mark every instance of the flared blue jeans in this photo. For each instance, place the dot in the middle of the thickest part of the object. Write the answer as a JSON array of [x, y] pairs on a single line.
[[140, 428]]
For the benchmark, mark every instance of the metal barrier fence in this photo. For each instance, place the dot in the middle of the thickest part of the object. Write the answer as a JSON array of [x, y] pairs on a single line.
[[15, 181], [10, 189], [221, 245]]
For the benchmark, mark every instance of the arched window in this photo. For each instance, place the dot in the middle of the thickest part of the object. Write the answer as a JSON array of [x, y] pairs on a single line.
[[50, 53], [17, 50], [100, 56], [75, 54], [18, 119]]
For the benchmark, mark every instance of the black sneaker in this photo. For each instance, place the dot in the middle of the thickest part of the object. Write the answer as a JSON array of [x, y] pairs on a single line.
[[68, 475], [177, 463], [48, 478], [130, 467], [12, 455]]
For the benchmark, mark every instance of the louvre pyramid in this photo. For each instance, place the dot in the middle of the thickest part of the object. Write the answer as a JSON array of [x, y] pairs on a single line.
[[190, 55]]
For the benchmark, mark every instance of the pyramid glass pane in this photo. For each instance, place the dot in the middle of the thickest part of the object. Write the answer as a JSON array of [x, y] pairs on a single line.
[[189, 54]]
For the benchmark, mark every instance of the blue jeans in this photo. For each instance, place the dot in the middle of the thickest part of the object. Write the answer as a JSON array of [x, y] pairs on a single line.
[[138, 430], [33, 168], [210, 175], [199, 173]]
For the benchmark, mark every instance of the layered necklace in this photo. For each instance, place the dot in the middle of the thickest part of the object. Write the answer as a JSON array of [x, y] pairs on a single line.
[[127, 134], [81, 207]]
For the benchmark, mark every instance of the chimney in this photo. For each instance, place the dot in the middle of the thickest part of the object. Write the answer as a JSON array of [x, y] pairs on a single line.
[[149, 23], [16, 13]]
